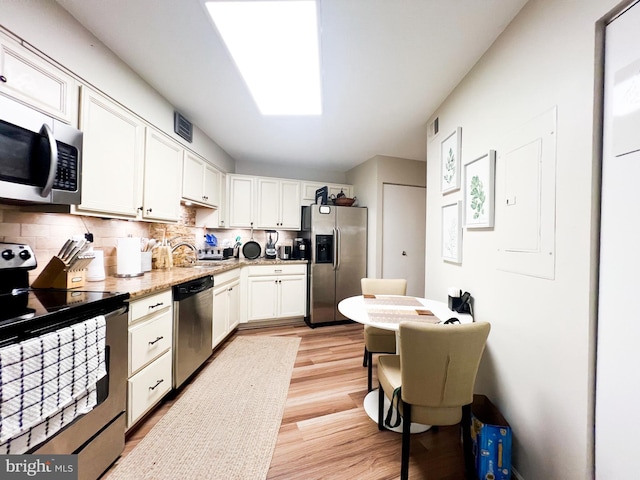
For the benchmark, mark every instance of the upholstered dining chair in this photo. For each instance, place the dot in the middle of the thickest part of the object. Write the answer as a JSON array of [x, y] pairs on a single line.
[[435, 373], [378, 340]]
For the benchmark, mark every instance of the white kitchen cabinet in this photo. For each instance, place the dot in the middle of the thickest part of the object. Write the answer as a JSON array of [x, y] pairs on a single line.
[[241, 200], [275, 292], [200, 181], [277, 203], [150, 353], [162, 177], [113, 158], [309, 191], [226, 305], [31, 79]]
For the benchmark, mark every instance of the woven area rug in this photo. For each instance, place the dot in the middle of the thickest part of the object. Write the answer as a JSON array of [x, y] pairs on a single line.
[[226, 423]]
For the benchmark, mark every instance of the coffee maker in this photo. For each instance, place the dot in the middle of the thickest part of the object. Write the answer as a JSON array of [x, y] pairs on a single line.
[[299, 251]]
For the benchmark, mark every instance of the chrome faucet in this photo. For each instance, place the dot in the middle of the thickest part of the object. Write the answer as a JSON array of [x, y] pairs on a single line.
[[186, 244]]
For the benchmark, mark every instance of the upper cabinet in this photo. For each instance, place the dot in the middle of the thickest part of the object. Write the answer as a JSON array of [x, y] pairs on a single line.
[[113, 158], [32, 80], [200, 181], [277, 203], [162, 177], [241, 195], [309, 191], [270, 203]]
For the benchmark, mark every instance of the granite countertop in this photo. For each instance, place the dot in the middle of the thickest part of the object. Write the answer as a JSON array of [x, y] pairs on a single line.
[[158, 280]]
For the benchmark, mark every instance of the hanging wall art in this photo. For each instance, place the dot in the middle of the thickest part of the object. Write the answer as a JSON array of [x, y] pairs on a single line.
[[450, 162], [479, 191]]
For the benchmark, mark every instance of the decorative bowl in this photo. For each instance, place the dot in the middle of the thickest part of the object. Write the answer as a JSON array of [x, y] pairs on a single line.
[[344, 201]]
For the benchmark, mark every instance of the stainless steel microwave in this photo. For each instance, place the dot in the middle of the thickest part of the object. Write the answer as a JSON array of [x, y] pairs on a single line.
[[40, 157]]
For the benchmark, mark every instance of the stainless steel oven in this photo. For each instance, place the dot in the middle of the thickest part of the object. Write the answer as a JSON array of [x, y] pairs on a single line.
[[97, 436], [40, 157]]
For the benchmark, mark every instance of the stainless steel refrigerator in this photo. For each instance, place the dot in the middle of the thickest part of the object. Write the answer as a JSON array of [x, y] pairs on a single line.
[[337, 239]]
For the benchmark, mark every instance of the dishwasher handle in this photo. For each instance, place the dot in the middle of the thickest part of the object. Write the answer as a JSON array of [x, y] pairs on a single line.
[[193, 287]]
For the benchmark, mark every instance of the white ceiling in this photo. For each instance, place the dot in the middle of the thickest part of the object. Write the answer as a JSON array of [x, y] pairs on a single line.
[[386, 66]]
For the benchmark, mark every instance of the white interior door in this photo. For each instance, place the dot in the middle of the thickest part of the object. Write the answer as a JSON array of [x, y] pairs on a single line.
[[403, 235], [618, 356]]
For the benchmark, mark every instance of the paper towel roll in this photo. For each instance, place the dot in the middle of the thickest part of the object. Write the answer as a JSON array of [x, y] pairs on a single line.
[[95, 270], [454, 292], [129, 258]]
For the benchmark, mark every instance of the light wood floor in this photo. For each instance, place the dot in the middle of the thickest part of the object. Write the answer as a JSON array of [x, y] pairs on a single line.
[[325, 433]]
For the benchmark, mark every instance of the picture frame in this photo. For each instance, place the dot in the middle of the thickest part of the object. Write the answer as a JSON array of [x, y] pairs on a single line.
[[450, 149], [452, 232], [479, 191]]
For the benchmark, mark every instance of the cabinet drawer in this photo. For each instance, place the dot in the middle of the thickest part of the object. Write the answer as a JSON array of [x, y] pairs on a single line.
[[148, 386], [148, 305], [224, 277], [148, 340], [297, 269]]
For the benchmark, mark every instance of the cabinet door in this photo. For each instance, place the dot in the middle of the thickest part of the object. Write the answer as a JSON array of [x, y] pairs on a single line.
[[162, 177], [262, 297], [292, 296], [267, 203], [192, 167], [220, 314], [234, 304], [290, 212], [211, 186], [240, 201], [223, 206], [113, 155], [34, 81]]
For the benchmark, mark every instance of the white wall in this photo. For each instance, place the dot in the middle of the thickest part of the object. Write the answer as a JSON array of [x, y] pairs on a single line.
[[539, 364], [368, 179], [51, 30], [298, 172]]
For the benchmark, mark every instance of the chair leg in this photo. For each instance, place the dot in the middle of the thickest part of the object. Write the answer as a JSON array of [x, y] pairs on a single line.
[[380, 407], [369, 371], [366, 357], [406, 440], [467, 448]]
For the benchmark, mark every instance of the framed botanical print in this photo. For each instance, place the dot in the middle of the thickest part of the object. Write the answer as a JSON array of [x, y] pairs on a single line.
[[452, 232], [450, 162], [479, 191]]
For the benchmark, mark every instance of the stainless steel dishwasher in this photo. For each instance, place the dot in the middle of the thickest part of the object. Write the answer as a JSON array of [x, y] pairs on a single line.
[[192, 326]]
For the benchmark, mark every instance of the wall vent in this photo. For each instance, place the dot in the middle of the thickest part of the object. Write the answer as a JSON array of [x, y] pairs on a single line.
[[182, 127], [433, 128]]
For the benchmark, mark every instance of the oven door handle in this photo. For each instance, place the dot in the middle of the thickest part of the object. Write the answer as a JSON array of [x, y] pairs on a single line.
[[53, 160]]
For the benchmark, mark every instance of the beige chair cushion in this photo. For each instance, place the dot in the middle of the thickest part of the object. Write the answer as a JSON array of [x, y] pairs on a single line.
[[436, 368], [378, 339]]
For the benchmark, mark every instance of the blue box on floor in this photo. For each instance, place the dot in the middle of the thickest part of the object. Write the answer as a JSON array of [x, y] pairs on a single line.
[[491, 437]]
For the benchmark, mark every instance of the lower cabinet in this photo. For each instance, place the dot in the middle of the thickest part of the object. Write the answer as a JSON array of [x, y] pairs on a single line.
[[150, 353], [276, 292], [226, 304]]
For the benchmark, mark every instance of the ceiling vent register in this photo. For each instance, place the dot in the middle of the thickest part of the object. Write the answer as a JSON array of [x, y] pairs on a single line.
[[182, 127]]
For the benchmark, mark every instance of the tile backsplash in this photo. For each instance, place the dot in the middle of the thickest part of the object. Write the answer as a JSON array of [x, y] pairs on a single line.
[[45, 233]]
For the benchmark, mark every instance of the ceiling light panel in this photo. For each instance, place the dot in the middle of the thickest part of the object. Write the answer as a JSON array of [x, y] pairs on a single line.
[[275, 46]]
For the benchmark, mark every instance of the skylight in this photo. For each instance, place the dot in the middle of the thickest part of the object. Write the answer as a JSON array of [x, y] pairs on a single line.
[[275, 46]]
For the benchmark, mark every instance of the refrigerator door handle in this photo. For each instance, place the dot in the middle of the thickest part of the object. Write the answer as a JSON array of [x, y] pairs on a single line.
[[335, 249], [337, 242]]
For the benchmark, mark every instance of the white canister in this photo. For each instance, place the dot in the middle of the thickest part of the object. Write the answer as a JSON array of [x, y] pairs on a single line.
[[95, 270], [146, 261], [129, 257]]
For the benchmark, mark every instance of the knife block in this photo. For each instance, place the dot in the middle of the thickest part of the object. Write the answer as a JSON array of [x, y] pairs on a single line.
[[57, 275]]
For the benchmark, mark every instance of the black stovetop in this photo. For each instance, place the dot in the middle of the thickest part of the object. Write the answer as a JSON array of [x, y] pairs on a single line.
[[25, 312]]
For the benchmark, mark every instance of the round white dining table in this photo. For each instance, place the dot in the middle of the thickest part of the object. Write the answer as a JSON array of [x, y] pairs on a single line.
[[386, 312]]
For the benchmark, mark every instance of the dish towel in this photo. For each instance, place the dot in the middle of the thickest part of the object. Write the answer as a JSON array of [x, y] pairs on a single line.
[[48, 381]]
